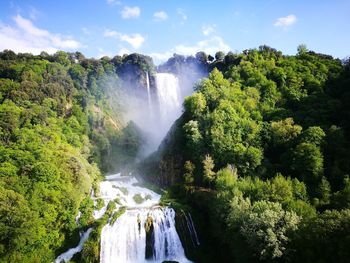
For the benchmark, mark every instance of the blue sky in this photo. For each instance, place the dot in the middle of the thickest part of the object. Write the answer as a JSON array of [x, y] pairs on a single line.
[[162, 27]]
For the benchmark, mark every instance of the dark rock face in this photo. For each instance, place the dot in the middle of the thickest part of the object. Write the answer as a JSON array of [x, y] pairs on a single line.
[[170, 170], [165, 166], [149, 227], [133, 71], [188, 241]]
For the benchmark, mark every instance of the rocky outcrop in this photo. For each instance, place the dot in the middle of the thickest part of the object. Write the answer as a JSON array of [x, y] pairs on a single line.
[[133, 71], [187, 233], [149, 227], [165, 166]]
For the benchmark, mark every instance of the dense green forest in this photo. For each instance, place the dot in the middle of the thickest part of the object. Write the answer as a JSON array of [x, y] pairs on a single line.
[[261, 153], [61, 125]]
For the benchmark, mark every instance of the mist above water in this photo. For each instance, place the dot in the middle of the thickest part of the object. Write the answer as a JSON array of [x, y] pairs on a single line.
[[156, 108]]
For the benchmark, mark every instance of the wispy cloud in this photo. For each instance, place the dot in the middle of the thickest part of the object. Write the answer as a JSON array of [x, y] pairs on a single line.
[[208, 29], [24, 36], [209, 46], [130, 12], [123, 51], [85, 31], [103, 53], [33, 13], [182, 14], [160, 16], [161, 57], [114, 2], [135, 40], [286, 21]]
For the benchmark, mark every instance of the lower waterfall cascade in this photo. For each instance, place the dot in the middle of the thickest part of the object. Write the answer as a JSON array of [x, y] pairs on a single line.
[[125, 240], [146, 231]]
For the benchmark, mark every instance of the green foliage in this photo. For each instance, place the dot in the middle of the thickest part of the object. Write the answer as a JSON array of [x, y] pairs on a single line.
[[282, 123], [99, 204], [313, 135], [138, 199], [56, 127], [307, 164], [188, 173], [284, 131], [264, 226], [302, 49], [226, 178], [124, 190], [86, 208], [117, 214], [208, 166], [195, 104], [219, 55], [193, 135], [324, 239], [91, 248], [342, 197]]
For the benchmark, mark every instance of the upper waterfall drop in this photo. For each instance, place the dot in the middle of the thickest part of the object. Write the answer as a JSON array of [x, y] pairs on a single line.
[[149, 95], [157, 109], [169, 99]]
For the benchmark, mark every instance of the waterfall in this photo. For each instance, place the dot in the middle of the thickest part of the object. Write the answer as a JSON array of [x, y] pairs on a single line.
[[169, 99], [66, 256], [192, 230], [157, 109], [149, 97], [126, 240]]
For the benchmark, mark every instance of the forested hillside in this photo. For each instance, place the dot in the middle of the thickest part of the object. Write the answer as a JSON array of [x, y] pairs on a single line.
[[60, 125], [262, 154]]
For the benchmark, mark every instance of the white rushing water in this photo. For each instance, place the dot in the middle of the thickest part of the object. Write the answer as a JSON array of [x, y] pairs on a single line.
[[66, 256], [192, 230], [157, 109], [169, 99], [125, 240], [149, 95]]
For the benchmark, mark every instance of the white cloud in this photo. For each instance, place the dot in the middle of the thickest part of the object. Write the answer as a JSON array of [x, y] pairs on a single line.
[[286, 21], [103, 53], [208, 29], [28, 27], [209, 46], [182, 14], [130, 12], [135, 40], [161, 57], [123, 51], [24, 36], [160, 16]]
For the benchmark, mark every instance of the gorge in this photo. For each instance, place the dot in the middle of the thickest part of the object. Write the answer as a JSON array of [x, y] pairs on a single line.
[[145, 231], [238, 158]]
